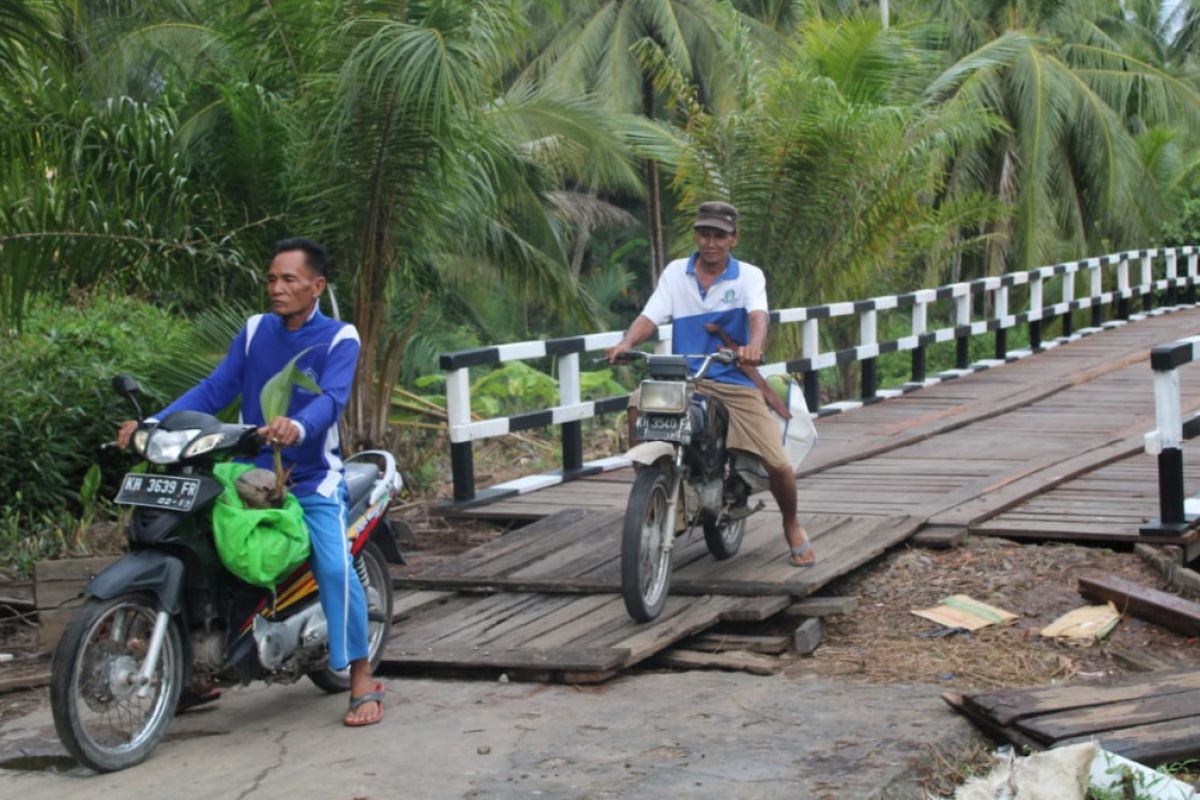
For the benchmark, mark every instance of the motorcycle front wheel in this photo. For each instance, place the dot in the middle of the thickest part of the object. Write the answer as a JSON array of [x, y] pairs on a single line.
[[99, 711], [378, 589], [645, 546]]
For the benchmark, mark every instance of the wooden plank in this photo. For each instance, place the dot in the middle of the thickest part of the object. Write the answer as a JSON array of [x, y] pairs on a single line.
[[1006, 706], [736, 660], [989, 725], [1154, 744], [33, 680], [1095, 720], [725, 642], [71, 569], [821, 606], [1171, 612], [939, 537], [598, 659]]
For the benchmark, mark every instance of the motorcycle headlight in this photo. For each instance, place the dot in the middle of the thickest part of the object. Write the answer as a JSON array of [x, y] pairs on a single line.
[[139, 441], [663, 397], [165, 447], [203, 445]]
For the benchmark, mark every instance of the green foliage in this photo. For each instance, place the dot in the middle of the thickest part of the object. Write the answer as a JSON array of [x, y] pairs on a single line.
[[513, 387], [30, 535], [276, 393], [58, 408]]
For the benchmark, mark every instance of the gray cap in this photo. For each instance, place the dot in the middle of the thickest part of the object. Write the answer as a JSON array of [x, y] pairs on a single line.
[[716, 214]]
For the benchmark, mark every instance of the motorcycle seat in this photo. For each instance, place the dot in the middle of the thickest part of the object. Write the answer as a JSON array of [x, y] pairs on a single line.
[[360, 477]]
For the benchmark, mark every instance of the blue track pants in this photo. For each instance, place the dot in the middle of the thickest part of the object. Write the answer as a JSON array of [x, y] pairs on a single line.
[[341, 592]]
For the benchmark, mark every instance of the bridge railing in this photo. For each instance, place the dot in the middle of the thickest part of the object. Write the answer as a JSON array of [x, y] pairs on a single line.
[[1158, 272], [1166, 440]]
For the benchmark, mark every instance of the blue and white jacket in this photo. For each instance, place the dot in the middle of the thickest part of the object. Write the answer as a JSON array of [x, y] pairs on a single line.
[[261, 349], [740, 289]]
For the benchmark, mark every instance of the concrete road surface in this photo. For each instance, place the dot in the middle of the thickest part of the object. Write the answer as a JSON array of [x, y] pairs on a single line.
[[692, 734]]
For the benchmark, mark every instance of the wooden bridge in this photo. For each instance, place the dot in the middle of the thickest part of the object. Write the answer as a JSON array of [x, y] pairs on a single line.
[[1046, 447]]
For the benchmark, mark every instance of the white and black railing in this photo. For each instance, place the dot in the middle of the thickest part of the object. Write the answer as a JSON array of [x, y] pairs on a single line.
[[1166, 441], [978, 307]]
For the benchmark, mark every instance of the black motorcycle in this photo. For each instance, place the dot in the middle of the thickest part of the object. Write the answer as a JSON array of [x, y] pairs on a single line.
[[686, 476], [168, 621]]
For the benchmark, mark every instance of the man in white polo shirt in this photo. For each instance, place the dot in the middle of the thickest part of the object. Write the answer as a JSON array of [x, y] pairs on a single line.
[[712, 286]]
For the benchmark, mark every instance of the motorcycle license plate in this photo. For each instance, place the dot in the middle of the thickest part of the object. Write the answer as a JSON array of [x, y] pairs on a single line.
[[159, 491], [662, 422]]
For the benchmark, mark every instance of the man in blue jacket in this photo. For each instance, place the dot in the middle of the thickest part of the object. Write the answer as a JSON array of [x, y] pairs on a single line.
[[309, 438]]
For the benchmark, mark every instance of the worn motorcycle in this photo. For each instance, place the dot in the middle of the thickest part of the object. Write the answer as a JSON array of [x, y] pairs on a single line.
[[686, 476], [168, 621]]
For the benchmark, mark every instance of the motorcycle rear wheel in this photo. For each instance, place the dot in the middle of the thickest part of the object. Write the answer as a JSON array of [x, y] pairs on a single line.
[[379, 620], [93, 695], [645, 540]]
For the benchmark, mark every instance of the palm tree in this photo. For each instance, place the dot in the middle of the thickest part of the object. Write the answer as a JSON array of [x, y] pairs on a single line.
[[1075, 96], [615, 50], [423, 169]]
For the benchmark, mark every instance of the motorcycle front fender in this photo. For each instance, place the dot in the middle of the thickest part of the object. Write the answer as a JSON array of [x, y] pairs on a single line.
[[648, 453], [152, 571]]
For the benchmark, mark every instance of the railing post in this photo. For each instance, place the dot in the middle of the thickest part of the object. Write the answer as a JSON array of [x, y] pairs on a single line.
[[1123, 289], [1068, 297], [1097, 289], [920, 325], [1035, 311], [869, 348], [458, 412], [1172, 276], [1001, 303], [1193, 257], [1167, 439], [811, 348], [962, 317], [1147, 281], [568, 395]]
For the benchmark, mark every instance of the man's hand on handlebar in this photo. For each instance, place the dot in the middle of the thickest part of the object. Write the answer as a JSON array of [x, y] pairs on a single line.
[[617, 353], [749, 354], [125, 433]]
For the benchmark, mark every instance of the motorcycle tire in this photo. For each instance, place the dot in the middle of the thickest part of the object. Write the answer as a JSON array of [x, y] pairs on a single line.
[[100, 719], [378, 588], [724, 536], [645, 563]]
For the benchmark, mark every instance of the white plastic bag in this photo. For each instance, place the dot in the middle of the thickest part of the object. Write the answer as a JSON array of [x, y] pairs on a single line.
[[799, 433]]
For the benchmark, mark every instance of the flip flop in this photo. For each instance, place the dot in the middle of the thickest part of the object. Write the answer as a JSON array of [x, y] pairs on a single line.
[[368, 697], [796, 552]]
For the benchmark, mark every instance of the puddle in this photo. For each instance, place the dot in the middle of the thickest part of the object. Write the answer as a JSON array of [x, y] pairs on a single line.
[[40, 763]]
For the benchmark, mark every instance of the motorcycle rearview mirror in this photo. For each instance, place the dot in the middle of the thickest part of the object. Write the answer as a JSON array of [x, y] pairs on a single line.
[[128, 388], [125, 386]]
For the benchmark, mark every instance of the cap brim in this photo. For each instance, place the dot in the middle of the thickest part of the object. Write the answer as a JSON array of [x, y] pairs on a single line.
[[714, 222]]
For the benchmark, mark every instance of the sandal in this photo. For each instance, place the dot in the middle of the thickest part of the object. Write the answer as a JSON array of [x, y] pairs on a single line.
[[796, 552], [375, 696]]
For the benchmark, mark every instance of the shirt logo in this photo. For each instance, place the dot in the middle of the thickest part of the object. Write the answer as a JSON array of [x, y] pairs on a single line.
[[729, 296]]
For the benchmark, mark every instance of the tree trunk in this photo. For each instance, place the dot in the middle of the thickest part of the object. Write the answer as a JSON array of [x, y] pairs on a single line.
[[658, 249]]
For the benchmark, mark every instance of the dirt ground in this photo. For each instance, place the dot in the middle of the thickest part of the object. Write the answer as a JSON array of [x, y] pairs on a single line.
[[882, 642]]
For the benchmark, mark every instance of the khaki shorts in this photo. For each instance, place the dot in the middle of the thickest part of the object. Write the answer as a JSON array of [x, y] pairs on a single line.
[[752, 425]]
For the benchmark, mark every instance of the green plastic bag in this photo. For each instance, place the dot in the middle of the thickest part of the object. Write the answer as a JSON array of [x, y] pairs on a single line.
[[260, 546]]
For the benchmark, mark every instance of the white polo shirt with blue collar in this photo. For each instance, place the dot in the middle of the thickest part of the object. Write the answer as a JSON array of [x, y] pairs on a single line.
[[737, 291]]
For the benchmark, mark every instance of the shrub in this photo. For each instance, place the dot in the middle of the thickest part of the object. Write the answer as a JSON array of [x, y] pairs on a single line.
[[56, 402]]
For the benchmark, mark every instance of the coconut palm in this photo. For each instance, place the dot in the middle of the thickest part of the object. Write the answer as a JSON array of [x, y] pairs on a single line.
[[1068, 80], [616, 51]]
